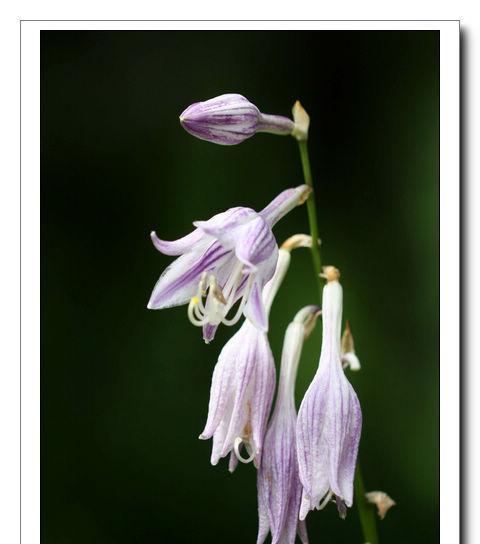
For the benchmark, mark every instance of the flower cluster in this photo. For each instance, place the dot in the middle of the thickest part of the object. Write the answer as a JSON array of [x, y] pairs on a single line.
[[230, 266]]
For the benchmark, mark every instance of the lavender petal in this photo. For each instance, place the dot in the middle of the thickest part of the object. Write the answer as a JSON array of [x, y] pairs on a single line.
[[284, 202], [177, 247], [178, 283]]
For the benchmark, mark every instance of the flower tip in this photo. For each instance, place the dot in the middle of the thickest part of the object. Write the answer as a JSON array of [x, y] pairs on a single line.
[[330, 273], [382, 501], [296, 241], [302, 122], [305, 191]]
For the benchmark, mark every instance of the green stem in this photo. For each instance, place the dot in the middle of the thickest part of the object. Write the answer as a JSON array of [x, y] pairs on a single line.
[[312, 214], [365, 510]]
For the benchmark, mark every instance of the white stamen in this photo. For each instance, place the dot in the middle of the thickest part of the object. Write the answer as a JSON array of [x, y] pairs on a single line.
[[236, 448], [218, 302], [241, 306], [325, 500], [193, 312]]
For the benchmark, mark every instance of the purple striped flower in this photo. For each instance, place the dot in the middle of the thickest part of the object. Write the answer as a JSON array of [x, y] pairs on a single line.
[[242, 389], [230, 119], [329, 420], [278, 482], [226, 259]]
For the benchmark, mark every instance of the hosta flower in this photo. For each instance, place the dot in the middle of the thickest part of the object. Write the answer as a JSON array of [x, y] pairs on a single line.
[[242, 389], [278, 483], [329, 420], [226, 259], [230, 119]]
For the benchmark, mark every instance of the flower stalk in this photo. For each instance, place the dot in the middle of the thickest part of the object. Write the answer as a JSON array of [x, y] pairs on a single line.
[[365, 510], [312, 213]]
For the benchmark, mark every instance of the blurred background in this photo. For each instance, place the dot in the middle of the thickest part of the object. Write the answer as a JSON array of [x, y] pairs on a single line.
[[124, 389]]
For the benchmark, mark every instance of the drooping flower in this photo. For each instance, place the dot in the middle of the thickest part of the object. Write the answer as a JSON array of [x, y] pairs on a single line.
[[278, 482], [228, 258], [242, 389], [329, 420], [230, 119]]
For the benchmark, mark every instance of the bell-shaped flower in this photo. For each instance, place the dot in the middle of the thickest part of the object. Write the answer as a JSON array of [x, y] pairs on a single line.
[[230, 119], [242, 389], [278, 482], [329, 419], [226, 259]]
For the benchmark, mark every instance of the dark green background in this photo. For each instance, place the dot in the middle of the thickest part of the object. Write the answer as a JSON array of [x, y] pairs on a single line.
[[125, 390]]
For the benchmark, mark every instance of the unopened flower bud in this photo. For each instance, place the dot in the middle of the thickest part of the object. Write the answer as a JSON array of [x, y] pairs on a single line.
[[230, 119], [382, 501], [349, 357], [301, 120]]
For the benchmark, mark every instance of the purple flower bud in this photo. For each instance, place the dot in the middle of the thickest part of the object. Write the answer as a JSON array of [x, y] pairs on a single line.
[[278, 483], [227, 259], [242, 389], [329, 420], [230, 119]]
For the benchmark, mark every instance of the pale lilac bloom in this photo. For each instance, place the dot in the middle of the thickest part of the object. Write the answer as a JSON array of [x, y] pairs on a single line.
[[329, 420], [278, 482], [230, 119], [226, 259], [242, 389]]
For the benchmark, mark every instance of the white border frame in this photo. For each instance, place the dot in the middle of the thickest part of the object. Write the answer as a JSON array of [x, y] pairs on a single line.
[[449, 244]]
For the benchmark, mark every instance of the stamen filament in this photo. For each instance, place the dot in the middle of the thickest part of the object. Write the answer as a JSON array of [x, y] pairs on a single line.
[[219, 302], [241, 306], [236, 448], [325, 500]]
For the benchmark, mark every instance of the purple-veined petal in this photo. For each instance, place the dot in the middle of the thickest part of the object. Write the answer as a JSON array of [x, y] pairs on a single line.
[[263, 524], [302, 531], [258, 305], [312, 452], [255, 243], [220, 390], [223, 225], [262, 394], [246, 358], [177, 247], [226, 120], [178, 283], [215, 134], [277, 472], [208, 332], [348, 459], [225, 221], [219, 437], [232, 462], [255, 309], [285, 202]]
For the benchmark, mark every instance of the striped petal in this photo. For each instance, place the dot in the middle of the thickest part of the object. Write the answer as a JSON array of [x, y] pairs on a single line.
[[285, 202], [178, 283]]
